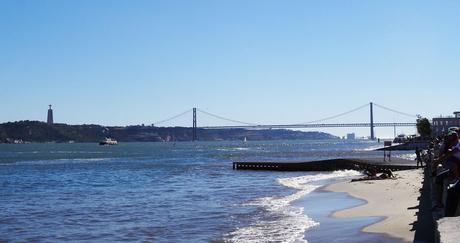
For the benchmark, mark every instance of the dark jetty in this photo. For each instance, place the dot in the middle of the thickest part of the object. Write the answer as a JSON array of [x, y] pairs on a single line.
[[329, 165]]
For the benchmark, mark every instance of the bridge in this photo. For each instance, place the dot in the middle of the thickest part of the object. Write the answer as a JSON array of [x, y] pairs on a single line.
[[382, 124], [311, 124]]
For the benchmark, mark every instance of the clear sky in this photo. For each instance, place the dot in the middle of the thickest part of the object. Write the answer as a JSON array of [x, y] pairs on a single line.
[[133, 62]]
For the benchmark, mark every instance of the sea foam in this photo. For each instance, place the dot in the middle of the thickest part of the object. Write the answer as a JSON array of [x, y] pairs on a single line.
[[280, 221]]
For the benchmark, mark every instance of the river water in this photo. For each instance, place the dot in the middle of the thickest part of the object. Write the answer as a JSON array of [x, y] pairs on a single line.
[[163, 192]]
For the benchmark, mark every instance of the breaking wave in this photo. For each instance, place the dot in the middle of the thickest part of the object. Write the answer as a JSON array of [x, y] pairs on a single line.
[[280, 221]]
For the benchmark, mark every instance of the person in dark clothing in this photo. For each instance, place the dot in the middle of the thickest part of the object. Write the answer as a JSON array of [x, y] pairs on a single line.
[[418, 157], [453, 197]]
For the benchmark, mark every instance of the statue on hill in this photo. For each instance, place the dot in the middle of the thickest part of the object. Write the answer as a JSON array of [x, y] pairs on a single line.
[[50, 116]]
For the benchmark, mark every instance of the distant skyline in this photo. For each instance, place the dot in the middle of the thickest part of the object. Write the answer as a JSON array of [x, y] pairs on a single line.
[[265, 62]]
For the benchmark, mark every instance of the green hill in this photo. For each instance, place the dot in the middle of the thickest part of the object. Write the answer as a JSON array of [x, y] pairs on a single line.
[[35, 131]]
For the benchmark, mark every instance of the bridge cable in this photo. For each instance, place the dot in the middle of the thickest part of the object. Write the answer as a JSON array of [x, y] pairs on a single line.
[[226, 119], [332, 117], [395, 111], [173, 117]]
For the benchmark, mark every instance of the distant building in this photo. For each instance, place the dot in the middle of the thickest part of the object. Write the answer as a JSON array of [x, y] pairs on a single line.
[[50, 116], [351, 136], [441, 124]]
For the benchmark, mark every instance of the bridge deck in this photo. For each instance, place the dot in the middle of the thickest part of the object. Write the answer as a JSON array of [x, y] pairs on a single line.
[[316, 125], [328, 165]]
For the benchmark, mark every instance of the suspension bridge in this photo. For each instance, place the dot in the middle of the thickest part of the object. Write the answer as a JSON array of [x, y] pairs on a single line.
[[311, 124]]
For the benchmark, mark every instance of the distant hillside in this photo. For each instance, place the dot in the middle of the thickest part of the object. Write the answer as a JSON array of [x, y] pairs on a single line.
[[35, 131]]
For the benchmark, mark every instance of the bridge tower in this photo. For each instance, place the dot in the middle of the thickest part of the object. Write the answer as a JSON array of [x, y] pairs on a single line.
[[194, 125], [372, 121]]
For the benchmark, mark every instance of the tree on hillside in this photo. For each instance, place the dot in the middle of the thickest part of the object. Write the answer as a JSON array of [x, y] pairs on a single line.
[[423, 126]]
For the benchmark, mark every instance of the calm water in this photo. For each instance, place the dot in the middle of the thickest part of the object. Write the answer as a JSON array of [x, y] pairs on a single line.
[[162, 192]]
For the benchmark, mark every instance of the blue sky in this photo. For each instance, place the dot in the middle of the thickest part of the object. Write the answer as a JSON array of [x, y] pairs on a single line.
[[133, 62]]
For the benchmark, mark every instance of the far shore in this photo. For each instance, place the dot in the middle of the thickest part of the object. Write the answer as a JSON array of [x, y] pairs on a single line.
[[395, 200]]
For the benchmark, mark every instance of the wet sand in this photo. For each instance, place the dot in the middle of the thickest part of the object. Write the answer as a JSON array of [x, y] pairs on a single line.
[[394, 200], [343, 230]]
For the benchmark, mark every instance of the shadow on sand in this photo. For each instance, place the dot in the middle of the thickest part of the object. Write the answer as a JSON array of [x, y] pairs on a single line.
[[424, 225]]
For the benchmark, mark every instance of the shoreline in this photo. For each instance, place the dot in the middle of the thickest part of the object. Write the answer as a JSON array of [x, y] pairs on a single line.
[[347, 230], [384, 235], [395, 201]]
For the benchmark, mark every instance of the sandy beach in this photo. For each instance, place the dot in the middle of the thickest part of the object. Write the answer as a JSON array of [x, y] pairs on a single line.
[[394, 199]]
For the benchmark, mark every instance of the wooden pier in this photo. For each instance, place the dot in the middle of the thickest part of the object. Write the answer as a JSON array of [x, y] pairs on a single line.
[[328, 165]]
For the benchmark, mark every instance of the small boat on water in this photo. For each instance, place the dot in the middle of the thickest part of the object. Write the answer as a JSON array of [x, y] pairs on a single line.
[[108, 141]]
